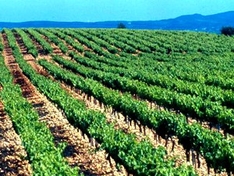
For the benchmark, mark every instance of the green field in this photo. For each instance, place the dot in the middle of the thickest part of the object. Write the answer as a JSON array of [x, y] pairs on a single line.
[[178, 85]]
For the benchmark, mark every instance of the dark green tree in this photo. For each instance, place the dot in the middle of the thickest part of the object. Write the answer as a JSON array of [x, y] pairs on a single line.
[[229, 31], [121, 26]]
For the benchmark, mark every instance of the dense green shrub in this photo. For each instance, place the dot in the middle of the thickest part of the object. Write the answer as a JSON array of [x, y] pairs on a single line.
[[227, 31]]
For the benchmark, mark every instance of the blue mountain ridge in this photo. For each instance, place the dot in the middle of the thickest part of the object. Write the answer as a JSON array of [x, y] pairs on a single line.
[[194, 22]]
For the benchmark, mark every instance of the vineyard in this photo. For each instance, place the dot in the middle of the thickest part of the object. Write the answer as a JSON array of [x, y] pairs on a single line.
[[116, 102]]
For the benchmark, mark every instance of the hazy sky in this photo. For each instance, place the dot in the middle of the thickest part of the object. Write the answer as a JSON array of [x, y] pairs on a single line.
[[104, 10]]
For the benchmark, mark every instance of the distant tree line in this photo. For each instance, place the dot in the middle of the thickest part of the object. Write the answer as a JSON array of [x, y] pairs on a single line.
[[229, 31]]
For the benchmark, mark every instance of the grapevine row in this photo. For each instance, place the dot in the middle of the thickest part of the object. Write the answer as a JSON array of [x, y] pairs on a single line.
[[178, 70], [68, 40], [161, 96], [31, 49], [225, 97], [45, 45], [54, 39], [122, 147], [210, 144], [45, 159]]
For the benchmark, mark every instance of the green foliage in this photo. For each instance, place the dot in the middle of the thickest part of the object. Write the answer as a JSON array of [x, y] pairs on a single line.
[[47, 49], [53, 38], [190, 73], [43, 156], [31, 48], [1, 44], [164, 122], [195, 106], [94, 124]]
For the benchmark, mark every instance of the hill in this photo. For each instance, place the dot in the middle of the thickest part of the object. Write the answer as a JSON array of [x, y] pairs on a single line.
[[195, 22]]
